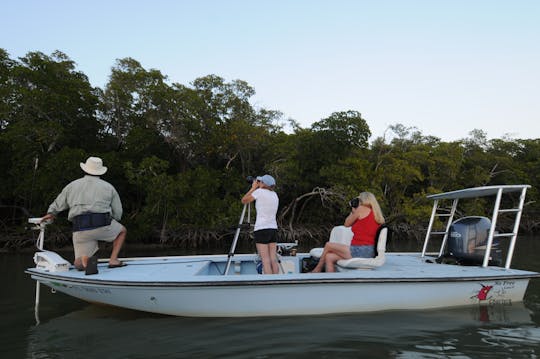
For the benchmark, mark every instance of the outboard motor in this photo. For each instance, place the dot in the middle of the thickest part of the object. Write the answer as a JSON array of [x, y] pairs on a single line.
[[468, 239]]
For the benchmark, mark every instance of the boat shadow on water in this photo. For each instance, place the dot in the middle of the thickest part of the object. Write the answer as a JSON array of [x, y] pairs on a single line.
[[101, 331]]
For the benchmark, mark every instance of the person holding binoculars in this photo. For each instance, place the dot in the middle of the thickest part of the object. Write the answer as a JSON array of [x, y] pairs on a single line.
[[265, 231], [365, 218]]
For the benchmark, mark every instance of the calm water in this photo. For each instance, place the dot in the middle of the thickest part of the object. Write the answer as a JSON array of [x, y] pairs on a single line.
[[70, 328]]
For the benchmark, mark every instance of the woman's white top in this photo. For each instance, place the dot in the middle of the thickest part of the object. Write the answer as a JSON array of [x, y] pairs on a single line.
[[266, 205]]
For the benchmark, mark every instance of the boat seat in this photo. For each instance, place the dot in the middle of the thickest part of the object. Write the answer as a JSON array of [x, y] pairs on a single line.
[[339, 234], [367, 263]]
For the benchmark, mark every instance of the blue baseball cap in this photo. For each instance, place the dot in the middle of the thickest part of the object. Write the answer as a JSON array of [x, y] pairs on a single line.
[[267, 180]]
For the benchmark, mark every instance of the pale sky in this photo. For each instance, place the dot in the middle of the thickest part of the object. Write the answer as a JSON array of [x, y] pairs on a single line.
[[445, 67]]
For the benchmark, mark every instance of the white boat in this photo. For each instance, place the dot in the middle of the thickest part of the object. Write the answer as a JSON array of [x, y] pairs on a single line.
[[466, 270]]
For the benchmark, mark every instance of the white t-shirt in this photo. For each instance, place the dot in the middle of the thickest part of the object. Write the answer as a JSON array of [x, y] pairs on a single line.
[[266, 205]]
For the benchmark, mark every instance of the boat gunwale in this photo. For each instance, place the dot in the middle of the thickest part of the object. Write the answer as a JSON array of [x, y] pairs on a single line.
[[282, 281]]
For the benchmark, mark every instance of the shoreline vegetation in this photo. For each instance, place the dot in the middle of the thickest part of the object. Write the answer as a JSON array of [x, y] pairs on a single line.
[[179, 155], [59, 239], [191, 242]]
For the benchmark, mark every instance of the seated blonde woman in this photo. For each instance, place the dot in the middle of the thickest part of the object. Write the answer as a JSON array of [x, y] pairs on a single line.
[[364, 221]]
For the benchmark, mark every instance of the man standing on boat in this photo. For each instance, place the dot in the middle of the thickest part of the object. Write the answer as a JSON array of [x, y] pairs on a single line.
[[265, 231], [94, 209]]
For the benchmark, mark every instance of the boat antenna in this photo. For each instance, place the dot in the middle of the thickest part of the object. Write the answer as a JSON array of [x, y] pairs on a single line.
[[36, 163]]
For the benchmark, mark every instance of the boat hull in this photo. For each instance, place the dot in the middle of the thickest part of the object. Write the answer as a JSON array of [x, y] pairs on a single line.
[[289, 294]]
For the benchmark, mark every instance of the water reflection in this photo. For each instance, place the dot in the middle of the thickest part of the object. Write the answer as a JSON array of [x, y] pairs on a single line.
[[108, 332]]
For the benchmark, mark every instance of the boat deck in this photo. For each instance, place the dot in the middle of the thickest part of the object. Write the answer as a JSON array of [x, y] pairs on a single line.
[[209, 269]]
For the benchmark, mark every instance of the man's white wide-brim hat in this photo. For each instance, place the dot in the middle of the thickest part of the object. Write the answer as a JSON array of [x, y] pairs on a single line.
[[94, 166]]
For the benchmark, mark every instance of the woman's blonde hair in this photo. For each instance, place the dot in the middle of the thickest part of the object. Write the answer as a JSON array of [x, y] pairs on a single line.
[[368, 199]]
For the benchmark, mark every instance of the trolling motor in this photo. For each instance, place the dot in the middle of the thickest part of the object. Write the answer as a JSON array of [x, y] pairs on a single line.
[[46, 260]]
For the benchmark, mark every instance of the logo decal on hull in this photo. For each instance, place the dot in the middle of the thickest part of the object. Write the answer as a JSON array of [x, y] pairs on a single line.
[[483, 292]]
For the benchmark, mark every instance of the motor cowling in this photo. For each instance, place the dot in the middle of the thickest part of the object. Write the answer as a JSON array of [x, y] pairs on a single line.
[[51, 262], [468, 239]]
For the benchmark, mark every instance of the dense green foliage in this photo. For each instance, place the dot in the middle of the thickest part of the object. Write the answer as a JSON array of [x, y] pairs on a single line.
[[179, 154]]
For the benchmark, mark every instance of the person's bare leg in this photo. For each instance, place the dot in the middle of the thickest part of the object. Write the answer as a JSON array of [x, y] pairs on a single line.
[[264, 252], [338, 251], [117, 246], [79, 264], [273, 257], [330, 261], [319, 267], [341, 250]]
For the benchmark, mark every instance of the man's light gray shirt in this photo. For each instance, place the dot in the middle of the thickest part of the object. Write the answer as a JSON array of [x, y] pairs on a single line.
[[88, 194]]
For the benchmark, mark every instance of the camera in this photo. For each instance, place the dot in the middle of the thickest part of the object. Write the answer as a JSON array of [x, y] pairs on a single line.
[[355, 202], [250, 179]]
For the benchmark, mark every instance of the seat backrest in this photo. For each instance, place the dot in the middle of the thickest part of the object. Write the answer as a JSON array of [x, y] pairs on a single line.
[[380, 240], [367, 263], [341, 234]]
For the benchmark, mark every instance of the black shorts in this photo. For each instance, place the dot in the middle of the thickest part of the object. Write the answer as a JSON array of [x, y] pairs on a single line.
[[265, 236]]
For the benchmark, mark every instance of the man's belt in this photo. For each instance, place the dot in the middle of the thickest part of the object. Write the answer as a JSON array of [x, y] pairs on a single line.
[[87, 221]]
